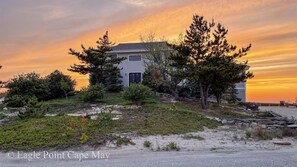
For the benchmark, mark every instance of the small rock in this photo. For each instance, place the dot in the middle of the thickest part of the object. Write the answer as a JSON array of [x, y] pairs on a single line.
[[224, 121]]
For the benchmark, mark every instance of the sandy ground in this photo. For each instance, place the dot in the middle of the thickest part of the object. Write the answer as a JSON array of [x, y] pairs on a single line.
[[219, 140], [288, 112]]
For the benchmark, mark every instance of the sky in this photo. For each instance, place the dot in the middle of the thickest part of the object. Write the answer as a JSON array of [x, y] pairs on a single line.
[[36, 35]]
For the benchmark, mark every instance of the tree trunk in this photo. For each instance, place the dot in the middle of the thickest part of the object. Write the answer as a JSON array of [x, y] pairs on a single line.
[[219, 98], [204, 91], [66, 96]]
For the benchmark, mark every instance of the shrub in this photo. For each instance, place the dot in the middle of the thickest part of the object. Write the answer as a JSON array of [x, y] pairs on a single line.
[[16, 101], [23, 86], [33, 109], [171, 146], [92, 93], [27, 85], [84, 138], [147, 144], [262, 133], [59, 85], [137, 93], [248, 134]]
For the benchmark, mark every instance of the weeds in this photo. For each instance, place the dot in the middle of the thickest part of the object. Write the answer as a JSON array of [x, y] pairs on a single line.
[[171, 146], [147, 144]]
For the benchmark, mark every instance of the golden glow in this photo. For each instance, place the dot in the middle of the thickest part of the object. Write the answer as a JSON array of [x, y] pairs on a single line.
[[270, 25]]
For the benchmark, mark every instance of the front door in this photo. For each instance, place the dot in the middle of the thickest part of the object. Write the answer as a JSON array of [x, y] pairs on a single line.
[[134, 78]]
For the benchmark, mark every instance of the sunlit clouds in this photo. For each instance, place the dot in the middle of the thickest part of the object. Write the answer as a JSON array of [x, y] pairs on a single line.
[[36, 35]]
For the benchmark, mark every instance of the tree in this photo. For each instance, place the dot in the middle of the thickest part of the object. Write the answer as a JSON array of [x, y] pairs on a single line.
[[65, 87], [97, 62], [59, 85], [206, 59], [225, 55], [159, 74]]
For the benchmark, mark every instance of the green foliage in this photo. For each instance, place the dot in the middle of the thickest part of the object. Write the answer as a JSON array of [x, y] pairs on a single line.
[[119, 141], [84, 138], [59, 85], [16, 101], [101, 66], [22, 87], [206, 59], [92, 93], [33, 109], [26, 85], [147, 144], [171, 146], [137, 93], [2, 116], [113, 80], [105, 120], [248, 134]]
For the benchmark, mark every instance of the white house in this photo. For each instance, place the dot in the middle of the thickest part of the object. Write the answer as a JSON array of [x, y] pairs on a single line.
[[133, 67]]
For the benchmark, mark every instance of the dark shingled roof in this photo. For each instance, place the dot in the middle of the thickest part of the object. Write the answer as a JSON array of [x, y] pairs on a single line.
[[137, 46]]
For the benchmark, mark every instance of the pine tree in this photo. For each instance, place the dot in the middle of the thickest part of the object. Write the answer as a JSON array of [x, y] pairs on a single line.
[[98, 63], [209, 62]]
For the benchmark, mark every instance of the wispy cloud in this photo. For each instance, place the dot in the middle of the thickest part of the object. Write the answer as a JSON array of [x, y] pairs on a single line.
[[36, 35]]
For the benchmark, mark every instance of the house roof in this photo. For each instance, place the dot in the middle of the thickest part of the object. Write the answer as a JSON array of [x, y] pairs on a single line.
[[134, 47]]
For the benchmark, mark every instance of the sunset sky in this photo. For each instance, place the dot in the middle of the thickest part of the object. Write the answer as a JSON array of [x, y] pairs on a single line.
[[35, 35]]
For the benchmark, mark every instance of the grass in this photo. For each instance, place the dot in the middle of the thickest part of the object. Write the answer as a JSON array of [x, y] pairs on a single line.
[[2, 116], [153, 118], [62, 132]]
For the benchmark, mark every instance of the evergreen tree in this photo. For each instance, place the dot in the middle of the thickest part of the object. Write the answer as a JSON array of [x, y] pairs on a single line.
[[207, 61], [96, 62]]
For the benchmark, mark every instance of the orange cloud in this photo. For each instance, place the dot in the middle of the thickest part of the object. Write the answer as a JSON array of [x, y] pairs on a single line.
[[268, 24]]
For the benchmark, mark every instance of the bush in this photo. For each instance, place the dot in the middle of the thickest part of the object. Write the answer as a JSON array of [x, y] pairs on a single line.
[[59, 85], [137, 93], [92, 93], [33, 109], [16, 101], [147, 144], [24, 86], [27, 85], [171, 146], [84, 138]]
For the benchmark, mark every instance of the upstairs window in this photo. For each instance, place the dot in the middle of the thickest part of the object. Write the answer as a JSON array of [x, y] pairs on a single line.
[[135, 58]]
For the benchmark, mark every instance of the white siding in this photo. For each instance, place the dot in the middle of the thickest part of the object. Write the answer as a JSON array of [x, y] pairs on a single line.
[[130, 66]]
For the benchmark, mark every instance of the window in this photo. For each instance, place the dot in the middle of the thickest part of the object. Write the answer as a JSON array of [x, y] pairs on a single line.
[[134, 78], [135, 58]]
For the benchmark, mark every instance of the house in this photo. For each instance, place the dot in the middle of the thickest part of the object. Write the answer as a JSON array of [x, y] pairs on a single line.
[[133, 67]]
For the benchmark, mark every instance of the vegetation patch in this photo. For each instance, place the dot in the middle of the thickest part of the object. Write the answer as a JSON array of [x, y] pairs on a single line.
[[154, 120], [147, 144], [171, 146]]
